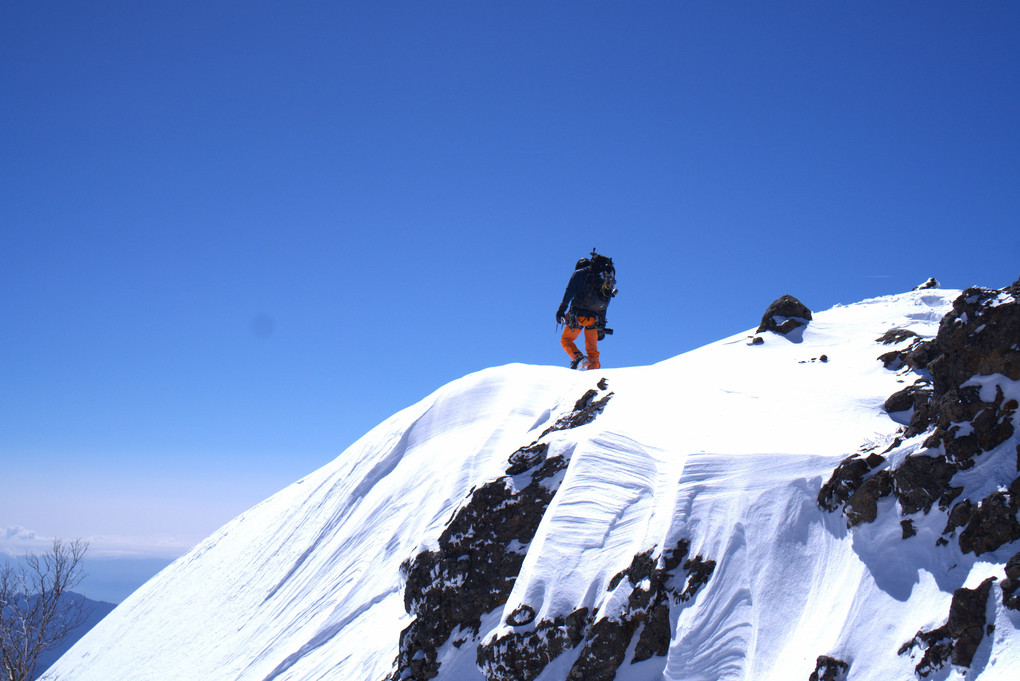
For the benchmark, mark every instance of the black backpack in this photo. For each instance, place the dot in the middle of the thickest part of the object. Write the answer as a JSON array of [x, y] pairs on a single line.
[[603, 275], [599, 285]]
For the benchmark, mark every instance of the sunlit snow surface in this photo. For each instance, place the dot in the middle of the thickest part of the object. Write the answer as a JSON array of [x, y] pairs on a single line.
[[726, 446]]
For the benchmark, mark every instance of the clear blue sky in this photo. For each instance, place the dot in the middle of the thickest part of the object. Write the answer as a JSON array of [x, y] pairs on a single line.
[[234, 236]]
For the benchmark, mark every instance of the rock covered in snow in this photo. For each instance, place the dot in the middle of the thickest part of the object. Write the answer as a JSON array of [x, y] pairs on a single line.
[[960, 396], [966, 396], [829, 669], [784, 314], [958, 639]]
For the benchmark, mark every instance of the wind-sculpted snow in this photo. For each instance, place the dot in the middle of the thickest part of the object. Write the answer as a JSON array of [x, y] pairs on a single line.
[[481, 550], [678, 522]]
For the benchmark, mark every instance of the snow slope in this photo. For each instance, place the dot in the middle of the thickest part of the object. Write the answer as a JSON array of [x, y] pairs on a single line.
[[726, 446]]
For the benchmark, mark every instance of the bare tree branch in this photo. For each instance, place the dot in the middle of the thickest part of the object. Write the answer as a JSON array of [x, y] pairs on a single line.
[[36, 611]]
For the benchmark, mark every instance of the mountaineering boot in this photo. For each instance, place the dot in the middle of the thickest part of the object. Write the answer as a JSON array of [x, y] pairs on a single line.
[[579, 362]]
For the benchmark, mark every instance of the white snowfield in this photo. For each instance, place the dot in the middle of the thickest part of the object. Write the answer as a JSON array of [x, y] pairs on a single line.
[[726, 446]]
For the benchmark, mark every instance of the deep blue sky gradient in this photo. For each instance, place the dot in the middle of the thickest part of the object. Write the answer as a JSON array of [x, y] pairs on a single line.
[[234, 236]]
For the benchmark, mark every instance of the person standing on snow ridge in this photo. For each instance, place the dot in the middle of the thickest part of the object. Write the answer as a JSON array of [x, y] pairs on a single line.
[[588, 294]]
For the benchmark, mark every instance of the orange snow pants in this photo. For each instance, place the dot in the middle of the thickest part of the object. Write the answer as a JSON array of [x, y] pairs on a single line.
[[591, 339]]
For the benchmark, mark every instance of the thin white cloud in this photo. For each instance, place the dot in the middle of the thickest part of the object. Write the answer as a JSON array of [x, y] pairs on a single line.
[[17, 532], [16, 540]]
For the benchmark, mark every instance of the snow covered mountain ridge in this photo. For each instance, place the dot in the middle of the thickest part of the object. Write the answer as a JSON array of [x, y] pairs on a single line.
[[834, 496]]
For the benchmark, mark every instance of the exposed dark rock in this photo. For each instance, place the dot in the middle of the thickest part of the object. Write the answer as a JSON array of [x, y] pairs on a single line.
[[916, 355], [480, 552], [956, 640], [978, 337], [585, 400], [931, 283], [672, 558], [862, 507], [846, 479], [785, 314], [920, 481], [993, 522], [585, 411], [651, 582], [698, 572], [521, 656], [603, 652], [908, 398], [829, 669], [990, 423], [958, 517], [1011, 585], [757, 340], [917, 397], [656, 634], [908, 528], [895, 336], [527, 457], [521, 616]]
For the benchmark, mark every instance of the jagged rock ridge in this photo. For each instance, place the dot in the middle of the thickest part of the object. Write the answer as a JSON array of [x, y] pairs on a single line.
[[958, 404]]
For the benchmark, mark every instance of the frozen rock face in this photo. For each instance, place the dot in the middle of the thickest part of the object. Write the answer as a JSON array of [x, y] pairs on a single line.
[[957, 640], [959, 401], [829, 669], [1011, 585], [645, 592], [785, 314], [960, 414]]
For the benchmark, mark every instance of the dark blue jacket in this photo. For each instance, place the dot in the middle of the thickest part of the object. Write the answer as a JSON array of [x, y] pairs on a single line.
[[581, 296]]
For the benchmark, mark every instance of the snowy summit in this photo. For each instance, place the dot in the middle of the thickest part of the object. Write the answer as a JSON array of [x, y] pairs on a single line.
[[833, 496]]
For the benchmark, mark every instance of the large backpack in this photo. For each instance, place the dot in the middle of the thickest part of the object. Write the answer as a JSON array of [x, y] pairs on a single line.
[[599, 285]]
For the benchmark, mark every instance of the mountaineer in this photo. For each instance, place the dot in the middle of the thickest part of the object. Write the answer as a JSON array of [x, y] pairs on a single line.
[[591, 287]]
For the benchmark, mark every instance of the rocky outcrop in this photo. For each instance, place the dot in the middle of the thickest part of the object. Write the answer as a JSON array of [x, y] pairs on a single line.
[[915, 399], [521, 656], [862, 507], [958, 399], [651, 585], [584, 412], [637, 604], [846, 479], [979, 337], [931, 283], [829, 669], [785, 314], [993, 522], [920, 481], [1011, 585], [480, 552], [916, 354], [957, 640]]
